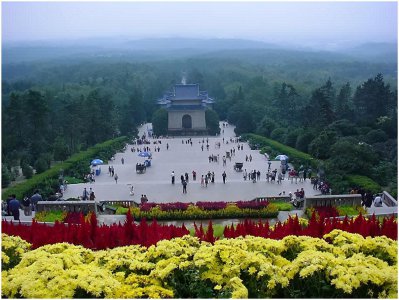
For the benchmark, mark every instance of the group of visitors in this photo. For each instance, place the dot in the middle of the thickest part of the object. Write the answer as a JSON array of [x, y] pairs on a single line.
[[298, 198], [88, 194], [213, 158], [248, 158], [12, 205], [89, 177], [143, 199], [111, 172]]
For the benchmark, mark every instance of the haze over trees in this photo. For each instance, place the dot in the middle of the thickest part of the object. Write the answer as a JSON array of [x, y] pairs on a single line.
[[339, 107]]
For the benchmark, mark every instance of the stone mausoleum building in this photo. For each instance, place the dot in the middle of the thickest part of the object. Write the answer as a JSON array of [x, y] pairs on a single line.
[[186, 106]]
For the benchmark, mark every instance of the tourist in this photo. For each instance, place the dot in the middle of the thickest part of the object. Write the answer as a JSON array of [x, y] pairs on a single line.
[[194, 176], [116, 178], [85, 195], [181, 178], [224, 176], [26, 203], [167, 146], [122, 160], [184, 187], [206, 180], [14, 206], [36, 197], [378, 201], [186, 176], [173, 177], [202, 181], [92, 196], [279, 178], [213, 177]]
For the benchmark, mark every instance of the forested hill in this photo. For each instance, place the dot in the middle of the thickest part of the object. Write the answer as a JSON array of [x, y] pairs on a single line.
[[61, 99]]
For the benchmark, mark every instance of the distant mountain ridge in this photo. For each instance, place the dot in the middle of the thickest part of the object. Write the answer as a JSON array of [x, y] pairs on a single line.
[[161, 48]]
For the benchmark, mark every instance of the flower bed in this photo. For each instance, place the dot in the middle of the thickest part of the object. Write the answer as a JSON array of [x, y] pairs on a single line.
[[88, 234], [315, 227], [203, 210], [341, 265], [335, 211], [60, 216]]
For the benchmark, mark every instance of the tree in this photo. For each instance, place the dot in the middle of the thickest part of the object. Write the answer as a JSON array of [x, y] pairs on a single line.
[[303, 140], [5, 176], [60, 149], [320, 146], [278, 134], [343, 106], [376, 136], [41, 165], [343, 127], [212, 121], [319, 111], [27, 171], [266, 126], [352, 157], [373, 99], [160, 122]]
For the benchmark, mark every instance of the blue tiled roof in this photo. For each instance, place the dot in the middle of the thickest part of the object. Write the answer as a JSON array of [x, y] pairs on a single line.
[[186, 91]]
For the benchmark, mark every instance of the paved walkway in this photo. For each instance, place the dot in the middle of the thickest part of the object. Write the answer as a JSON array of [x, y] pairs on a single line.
[[181, 158]]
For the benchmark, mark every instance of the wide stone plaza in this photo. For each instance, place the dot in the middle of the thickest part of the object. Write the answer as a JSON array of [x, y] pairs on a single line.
[[181, 158]]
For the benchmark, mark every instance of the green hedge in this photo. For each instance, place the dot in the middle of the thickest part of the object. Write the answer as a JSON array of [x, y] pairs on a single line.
[[364, 182], [298, 158], [195, 213], [47, 181], [295, 156]]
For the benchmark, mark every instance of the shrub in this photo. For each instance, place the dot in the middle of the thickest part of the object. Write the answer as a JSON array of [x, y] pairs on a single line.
[[48, 180], [364, 182], [27, 171], [294, 155]]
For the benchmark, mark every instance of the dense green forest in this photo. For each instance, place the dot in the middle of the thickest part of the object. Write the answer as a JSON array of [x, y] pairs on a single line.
[[335, 107]]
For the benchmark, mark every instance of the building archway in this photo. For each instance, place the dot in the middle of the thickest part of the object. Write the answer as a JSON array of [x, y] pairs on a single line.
[[187, 122]]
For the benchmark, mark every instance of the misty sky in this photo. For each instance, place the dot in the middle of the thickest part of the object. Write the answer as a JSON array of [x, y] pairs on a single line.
[[287, 22]]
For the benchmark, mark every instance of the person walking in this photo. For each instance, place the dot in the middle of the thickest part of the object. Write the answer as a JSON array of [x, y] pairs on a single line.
[[202, 180], [194, 176], [36, 197], [206, 180], [224, 176], [26, 203], [173, 177], [184, 187], [14, 207], [116, 178]]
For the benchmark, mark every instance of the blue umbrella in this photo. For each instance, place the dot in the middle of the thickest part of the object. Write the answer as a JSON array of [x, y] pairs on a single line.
[[282, 157], [145, 154], [97, 162]]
